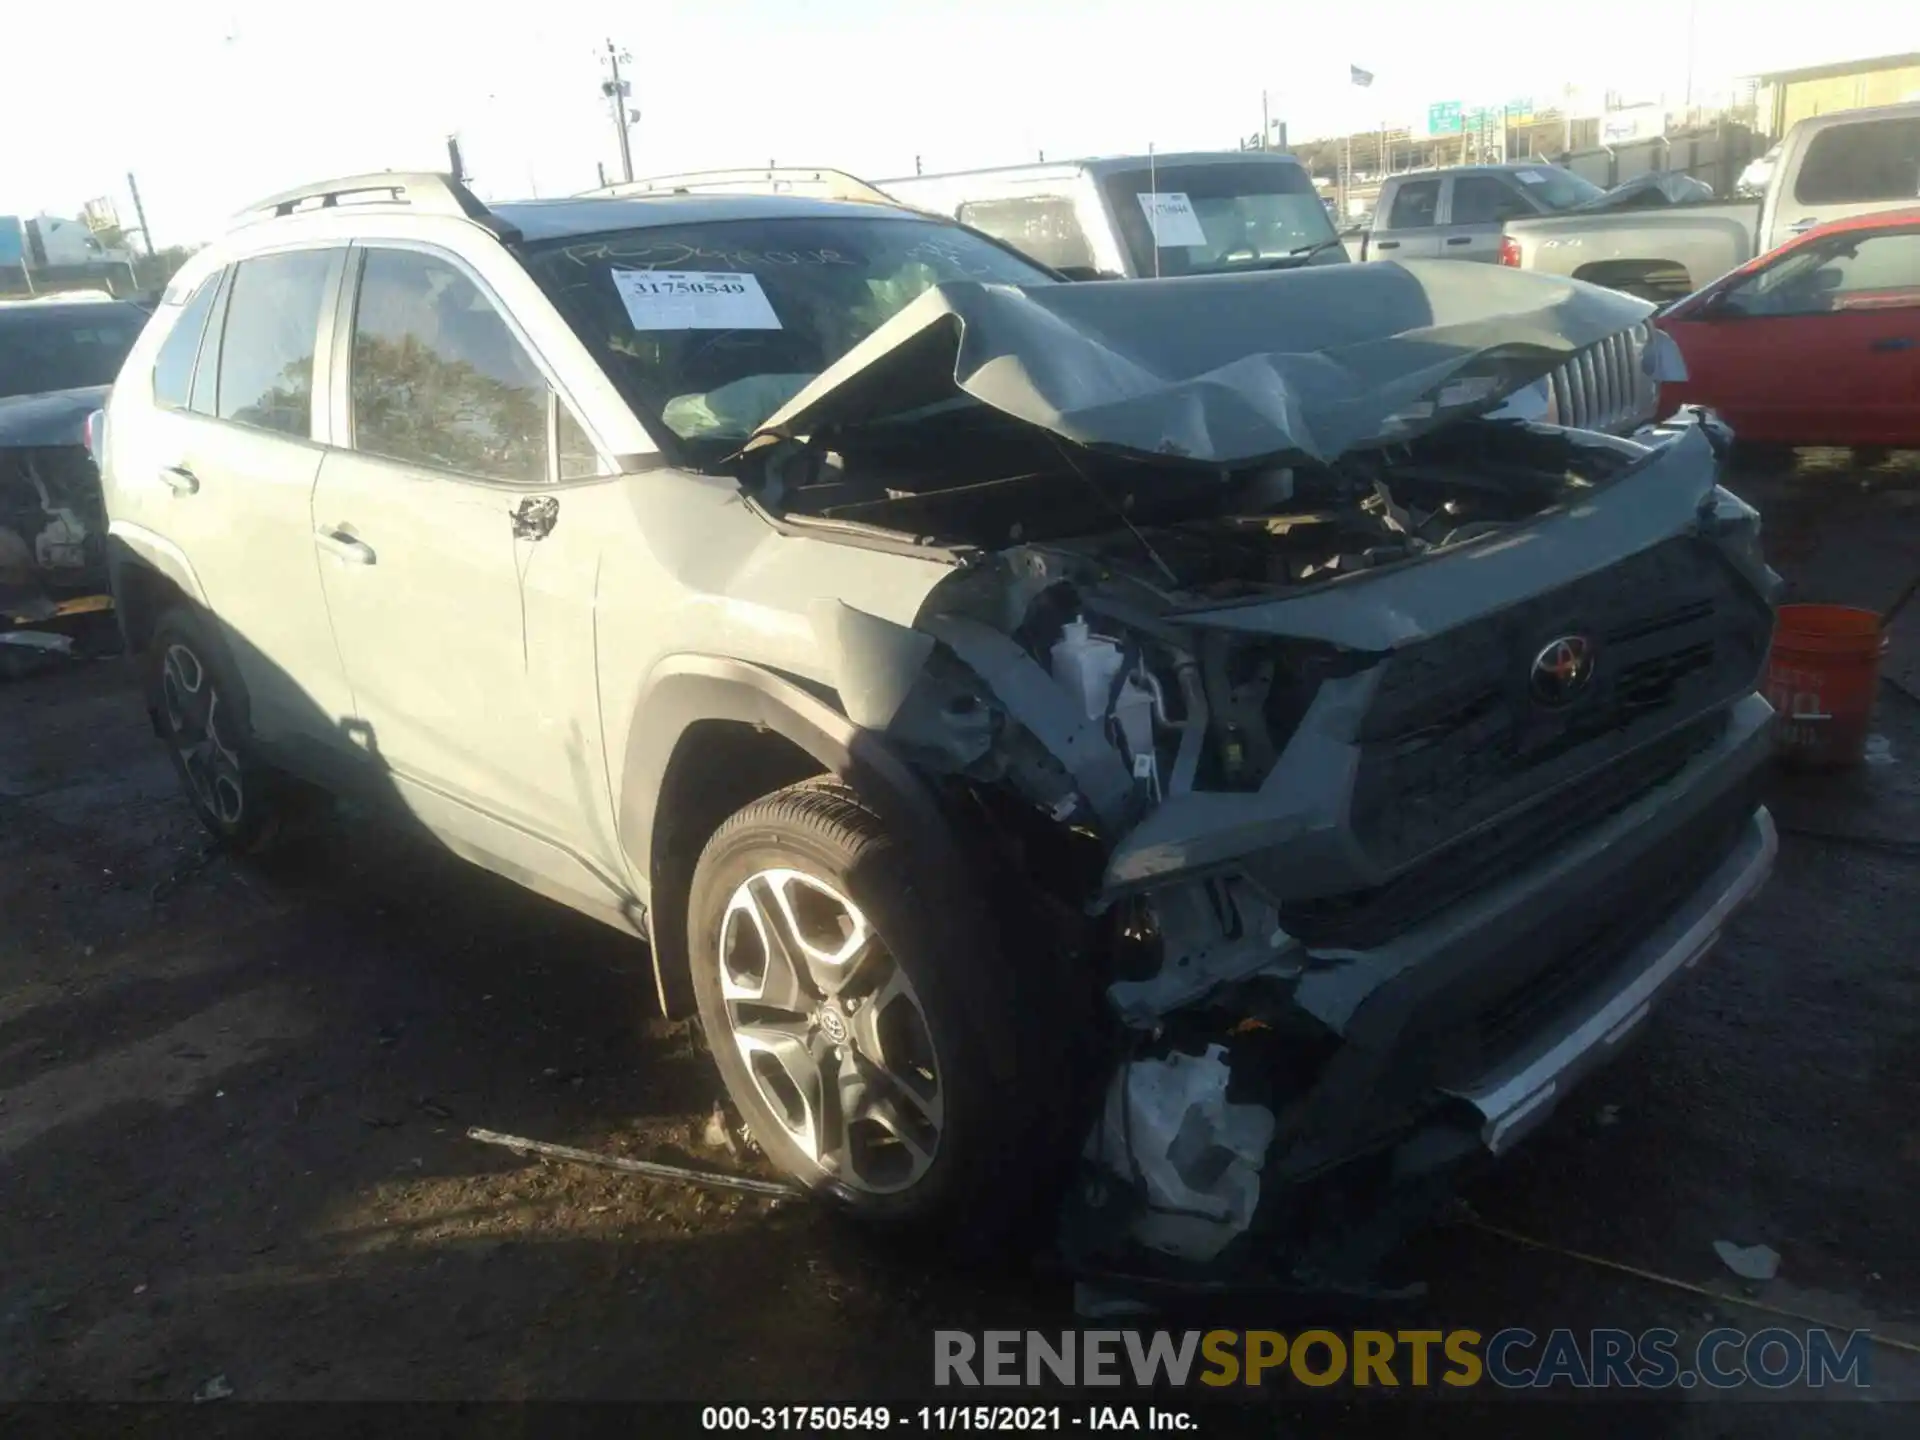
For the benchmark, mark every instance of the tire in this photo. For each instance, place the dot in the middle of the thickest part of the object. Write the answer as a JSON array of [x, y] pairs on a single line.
[[928, 1127], [200, 710]]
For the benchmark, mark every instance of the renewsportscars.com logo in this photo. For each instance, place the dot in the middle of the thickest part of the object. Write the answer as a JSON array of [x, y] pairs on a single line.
[[1513, 1359]]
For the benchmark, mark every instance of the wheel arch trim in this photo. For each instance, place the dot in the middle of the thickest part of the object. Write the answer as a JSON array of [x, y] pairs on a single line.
[[684, 690]]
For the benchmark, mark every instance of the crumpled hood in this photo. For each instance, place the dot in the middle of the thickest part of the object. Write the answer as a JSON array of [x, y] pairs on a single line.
[[54, 418], [1224, 370]]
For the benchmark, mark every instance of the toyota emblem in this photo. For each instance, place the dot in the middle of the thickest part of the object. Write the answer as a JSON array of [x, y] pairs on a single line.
[[1562, 669]]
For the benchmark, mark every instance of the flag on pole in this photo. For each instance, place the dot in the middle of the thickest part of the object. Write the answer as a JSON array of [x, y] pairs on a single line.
[[1360, 77]]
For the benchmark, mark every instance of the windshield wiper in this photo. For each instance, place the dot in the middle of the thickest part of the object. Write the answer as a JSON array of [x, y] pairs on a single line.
[[1292, 258], [1307, 252]]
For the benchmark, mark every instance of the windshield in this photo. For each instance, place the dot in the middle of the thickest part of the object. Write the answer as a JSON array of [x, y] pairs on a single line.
[[709, 329], [1557, 189], [64, 347], [1211, 219]]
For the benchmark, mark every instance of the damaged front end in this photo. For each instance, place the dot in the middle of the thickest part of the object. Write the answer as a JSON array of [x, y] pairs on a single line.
[[1383, 762], [53, 522]]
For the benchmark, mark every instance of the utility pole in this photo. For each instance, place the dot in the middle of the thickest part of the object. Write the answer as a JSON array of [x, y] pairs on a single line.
[[454, 163], [139, 212], [1266, 125], [616, 91]]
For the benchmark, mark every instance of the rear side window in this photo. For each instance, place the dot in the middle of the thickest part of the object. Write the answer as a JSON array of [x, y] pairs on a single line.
[[1863, 161], [1043, 226], [173, 366], [1416, 204], [266, 350], [438, 378], [1485, 200]]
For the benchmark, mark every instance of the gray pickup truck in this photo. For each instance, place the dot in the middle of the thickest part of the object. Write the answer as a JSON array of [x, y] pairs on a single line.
[[1536, 216]]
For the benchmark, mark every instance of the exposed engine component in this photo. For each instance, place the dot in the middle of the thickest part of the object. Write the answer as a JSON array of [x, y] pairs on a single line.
[[52, 526]]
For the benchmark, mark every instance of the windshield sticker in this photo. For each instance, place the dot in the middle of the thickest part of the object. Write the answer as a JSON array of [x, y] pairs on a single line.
[[1532, 177], [1173, 221], [694, 300]]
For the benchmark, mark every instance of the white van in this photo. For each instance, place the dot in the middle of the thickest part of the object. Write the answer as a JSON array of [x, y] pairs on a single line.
[[1138, 216]]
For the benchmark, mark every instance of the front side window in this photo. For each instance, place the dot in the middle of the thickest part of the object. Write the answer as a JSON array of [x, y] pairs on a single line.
[[1845, 272], [1863, 161], [1043, 226], [1218, 218], [1485, 200], [438, 379], [266, 348], [1416, 205], [173, 366], [708, 329]]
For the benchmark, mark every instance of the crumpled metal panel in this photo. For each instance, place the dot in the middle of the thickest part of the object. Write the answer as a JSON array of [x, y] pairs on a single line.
[[1224, 370]]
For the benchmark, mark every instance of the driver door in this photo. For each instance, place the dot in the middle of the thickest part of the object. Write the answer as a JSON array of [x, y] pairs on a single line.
[[1819, 346]]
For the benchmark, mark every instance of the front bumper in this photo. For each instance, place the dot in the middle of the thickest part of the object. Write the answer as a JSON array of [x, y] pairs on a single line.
[[1461, 1033], [1515, 1096]]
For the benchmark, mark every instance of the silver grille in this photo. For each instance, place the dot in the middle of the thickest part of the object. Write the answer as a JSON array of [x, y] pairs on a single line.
[[1606, 386]]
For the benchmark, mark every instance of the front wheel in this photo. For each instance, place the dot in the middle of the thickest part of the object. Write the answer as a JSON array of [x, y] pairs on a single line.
[[855, 1026]]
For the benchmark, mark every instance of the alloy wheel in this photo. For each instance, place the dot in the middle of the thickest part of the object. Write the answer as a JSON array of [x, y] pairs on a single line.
[[831, 1031], [191, 703]]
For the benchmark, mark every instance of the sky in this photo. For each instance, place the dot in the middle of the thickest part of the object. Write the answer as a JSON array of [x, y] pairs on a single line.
[[213, 104]]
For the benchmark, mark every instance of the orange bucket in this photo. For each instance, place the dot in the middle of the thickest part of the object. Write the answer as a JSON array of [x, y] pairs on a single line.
[[1822, 677]]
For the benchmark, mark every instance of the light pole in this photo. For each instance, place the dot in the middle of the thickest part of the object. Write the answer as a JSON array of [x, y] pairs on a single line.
[[616, 90]]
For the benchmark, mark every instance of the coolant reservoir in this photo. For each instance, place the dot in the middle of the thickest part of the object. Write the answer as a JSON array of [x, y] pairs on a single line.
[[1086, 665]]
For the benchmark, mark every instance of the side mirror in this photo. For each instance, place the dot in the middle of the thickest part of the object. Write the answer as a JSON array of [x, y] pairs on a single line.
[[1083, 272]]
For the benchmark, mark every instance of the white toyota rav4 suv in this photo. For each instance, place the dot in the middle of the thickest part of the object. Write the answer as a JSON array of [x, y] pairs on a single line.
[[986, 694]]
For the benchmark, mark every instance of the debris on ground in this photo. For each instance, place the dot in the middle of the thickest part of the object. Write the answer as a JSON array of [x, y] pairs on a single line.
[[215, 1389], [718, 1135], [651, 1169], [165, 887], [28, 652], [1749, 1262], [1091, 1302]]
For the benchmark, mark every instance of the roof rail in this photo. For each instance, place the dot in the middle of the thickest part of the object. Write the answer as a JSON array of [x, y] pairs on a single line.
[[425, 190], [825, 184]]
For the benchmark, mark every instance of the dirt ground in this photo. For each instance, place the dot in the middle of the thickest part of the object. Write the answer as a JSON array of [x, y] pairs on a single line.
[[233, 1105]]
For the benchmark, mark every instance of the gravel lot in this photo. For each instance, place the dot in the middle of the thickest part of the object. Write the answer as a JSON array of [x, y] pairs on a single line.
[[233, 1103]]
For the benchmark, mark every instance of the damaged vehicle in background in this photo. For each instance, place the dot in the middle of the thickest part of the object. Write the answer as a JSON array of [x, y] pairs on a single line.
[[1159, 744], [58, 355]]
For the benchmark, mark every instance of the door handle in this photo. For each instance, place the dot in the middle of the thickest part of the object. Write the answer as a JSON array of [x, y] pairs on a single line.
[[1386, 244], [1893, 342], [337, 542], [1802, 225], [180, 480], [1459, 240]]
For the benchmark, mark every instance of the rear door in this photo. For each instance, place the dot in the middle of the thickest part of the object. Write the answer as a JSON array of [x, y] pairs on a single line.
[[1856, 167], [233, 439], [1477, 207], [1410, 229]]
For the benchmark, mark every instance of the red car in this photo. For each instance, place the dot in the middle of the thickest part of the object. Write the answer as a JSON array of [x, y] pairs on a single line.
[[1815, 343]]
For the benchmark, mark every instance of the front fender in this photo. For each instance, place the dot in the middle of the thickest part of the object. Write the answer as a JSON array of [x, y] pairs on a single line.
[[685, 690]]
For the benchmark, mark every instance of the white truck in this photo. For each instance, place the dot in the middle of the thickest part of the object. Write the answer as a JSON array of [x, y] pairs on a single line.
[[1828, 167]]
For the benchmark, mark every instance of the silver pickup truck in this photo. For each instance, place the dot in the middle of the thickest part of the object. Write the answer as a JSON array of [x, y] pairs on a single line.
[[1537, 216]]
